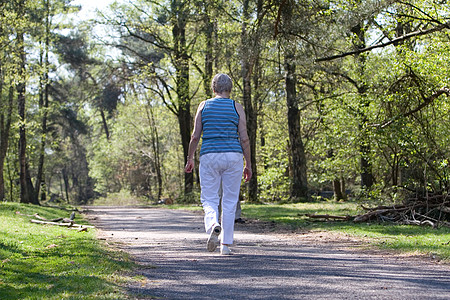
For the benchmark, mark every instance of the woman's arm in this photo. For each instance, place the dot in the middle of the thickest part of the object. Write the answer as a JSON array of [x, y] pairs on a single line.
[[195, 138], [245, 142]]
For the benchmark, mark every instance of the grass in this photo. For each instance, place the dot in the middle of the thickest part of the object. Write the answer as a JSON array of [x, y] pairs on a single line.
[[403, 238], [51, 262]]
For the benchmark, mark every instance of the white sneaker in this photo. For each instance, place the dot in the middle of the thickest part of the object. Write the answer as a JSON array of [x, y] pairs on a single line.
[[213, 240], [224, 250]]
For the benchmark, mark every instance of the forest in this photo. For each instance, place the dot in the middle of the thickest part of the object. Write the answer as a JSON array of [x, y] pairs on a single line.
[[343, 98]]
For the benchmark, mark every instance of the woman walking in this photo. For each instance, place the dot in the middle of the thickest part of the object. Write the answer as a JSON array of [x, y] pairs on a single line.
[[224, 142]]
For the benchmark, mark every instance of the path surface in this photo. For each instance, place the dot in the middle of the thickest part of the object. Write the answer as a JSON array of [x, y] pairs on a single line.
[[171, 247]]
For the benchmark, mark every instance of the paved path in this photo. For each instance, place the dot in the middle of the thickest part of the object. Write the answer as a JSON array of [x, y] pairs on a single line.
[[171, 247]]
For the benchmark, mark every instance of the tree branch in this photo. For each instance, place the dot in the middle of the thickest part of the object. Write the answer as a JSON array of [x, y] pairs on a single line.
[[426, 102], [381, 45]]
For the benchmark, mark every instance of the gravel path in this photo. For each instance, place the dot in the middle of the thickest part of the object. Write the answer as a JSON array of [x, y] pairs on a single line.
[[171, 247]]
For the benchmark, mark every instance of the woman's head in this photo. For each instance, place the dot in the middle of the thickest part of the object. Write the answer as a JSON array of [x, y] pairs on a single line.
[[221, 83]]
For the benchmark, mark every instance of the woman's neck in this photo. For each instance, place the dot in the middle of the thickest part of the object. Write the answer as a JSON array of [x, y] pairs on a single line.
[[222, 95]]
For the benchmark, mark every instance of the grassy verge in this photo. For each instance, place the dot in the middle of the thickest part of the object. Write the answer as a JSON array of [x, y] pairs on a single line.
[[403, 238], [51, 262]]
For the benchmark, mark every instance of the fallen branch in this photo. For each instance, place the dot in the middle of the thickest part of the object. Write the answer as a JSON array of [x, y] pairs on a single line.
[[327, 217], [433, 210], [65, 222], [380, 207], [52, 223], [37, 216], [416, 222], [68, 224]]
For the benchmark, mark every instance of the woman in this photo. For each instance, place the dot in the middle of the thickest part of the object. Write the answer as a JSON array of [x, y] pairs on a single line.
[[225, 140]]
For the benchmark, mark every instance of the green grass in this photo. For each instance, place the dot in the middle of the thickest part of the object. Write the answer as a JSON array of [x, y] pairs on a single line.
[[51, 262], [403, 238]]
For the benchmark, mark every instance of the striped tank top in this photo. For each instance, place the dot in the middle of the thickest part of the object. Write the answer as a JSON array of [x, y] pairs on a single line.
[[220, 122]]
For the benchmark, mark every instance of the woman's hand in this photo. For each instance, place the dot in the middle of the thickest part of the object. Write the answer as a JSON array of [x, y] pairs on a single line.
[[189, 166], [247, 174]]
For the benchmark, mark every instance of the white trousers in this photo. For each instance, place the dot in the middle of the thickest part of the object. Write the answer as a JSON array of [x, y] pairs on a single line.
[[216, 169]]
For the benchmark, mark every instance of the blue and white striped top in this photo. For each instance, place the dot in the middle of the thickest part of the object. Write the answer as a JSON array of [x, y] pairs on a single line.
[[220, 122]]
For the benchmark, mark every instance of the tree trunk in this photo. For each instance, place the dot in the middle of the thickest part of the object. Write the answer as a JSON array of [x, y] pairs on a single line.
[[343, 189], [105, 124], [26, 187], [156, 151], [367, 179], [338, 195], [365, 149], [337, 187], [209, 55], [366, 166], [65, 178], [181, 64], [43, 105], [299, 188], [250, 113], [5, 125]]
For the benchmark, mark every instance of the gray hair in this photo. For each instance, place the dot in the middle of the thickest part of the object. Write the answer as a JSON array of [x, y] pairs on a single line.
[[221, 83]]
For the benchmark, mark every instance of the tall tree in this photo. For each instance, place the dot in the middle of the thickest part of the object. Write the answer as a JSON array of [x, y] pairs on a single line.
[[249, 56], [6, 94], [26, 186], [180, 11], [359, 42], [299, 184], [43, 99]]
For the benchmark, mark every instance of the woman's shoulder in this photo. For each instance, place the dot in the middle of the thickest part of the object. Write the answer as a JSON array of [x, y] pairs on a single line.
[[201, 105], [238, 105], [239, 108]]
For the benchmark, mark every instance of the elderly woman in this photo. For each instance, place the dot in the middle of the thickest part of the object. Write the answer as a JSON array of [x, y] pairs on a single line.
[[225, 141]]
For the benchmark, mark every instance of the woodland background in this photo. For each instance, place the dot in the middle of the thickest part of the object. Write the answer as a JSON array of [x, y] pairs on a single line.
[[349, 96]]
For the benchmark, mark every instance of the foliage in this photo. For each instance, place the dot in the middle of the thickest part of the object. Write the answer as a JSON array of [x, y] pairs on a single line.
[[370, 86]]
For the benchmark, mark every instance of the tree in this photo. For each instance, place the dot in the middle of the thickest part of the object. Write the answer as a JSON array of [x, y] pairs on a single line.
[[249, 62], [6, 94], [43, 99], [299, 185], [26, 186]]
